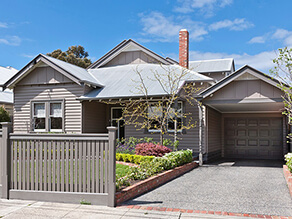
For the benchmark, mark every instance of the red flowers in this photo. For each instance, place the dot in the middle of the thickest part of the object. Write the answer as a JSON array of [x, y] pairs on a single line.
[[150, 149]]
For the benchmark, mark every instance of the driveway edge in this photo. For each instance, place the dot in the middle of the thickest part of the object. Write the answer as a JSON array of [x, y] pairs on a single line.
[[152, 182], [288, 177]]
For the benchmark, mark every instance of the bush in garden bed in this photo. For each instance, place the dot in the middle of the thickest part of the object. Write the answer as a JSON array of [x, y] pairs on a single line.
[[127, 145], [156, 165], [150, 149], [132, 158], [288, 159]]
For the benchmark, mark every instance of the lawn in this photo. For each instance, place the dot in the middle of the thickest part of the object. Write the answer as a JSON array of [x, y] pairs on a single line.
[[121, 170]]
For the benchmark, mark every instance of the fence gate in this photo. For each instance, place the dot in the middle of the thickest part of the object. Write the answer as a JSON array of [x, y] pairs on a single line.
[[59, 167]]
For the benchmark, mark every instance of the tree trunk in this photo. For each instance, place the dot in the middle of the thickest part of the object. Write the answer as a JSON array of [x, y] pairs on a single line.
[[161, 138]]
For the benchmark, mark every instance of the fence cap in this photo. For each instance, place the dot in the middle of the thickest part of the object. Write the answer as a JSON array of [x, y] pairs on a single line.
[[112, 128], [6, 123]]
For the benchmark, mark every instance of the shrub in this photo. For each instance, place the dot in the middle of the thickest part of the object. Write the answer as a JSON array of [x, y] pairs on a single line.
[[127, 145], [4, 115], [150, 149], [288, 159], [137, 159]]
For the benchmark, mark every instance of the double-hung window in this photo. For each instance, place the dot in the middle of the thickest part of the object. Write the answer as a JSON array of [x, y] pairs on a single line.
[[155, 114], [47, 116]]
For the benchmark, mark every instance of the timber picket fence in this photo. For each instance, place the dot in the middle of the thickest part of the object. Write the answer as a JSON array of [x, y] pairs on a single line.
[[58, 167]]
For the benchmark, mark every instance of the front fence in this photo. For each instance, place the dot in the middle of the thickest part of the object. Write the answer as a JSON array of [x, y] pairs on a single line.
[[61, 167]]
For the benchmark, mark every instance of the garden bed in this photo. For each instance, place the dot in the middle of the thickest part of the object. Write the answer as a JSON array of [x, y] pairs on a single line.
[[143, 186], [288, 177]]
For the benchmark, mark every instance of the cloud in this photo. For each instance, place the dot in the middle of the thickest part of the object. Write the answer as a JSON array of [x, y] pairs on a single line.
[[28, 56], [258, 39], [262, 61], [3, 25], [11, 41], [205, 7], [237, 24], [165, 29]]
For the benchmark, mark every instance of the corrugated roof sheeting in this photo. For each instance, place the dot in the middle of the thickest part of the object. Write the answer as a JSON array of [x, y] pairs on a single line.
[[121, 81], [6, 96], [208, 66], [76, 71], [6, 73]]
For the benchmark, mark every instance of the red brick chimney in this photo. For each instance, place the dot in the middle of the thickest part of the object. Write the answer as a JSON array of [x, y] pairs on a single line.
[[184, 48]]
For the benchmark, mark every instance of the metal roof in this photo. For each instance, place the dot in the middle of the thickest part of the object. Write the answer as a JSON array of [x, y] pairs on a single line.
[[6, 96], [76, 71], [6, 73], [214, 65], [121, 81]]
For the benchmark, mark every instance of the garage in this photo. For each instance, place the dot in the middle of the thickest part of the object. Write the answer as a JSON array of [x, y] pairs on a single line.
[[253, 137]]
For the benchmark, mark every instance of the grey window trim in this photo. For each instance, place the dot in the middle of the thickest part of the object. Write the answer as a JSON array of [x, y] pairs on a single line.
[[47, 112]]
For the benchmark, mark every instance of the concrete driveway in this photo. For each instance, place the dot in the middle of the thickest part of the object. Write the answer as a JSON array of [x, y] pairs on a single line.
[[254, 187]]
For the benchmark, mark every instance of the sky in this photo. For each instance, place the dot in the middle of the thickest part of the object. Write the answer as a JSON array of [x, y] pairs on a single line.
[[250, 31]]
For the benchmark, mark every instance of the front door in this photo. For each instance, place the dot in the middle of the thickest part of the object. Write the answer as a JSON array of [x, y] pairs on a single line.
[[117, 121]]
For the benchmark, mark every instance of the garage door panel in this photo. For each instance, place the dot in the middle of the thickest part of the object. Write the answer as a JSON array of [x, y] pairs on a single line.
[[254, 138], [253, 142]]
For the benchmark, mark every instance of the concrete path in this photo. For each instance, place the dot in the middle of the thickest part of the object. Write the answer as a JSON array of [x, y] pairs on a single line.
[[252, 187], [32, 210]]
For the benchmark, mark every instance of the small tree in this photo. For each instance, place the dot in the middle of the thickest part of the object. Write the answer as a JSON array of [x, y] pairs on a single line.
[[283, 73], [161, 113], [4, 115], [75, 55]]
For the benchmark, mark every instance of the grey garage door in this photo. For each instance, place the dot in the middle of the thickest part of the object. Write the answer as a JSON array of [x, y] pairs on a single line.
[[253, 138]]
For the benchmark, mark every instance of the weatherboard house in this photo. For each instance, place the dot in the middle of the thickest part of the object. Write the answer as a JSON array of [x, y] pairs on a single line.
[[241, 109]]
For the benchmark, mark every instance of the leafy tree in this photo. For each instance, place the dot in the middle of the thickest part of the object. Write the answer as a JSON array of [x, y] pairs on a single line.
[[161, 113], [75, 55], [283, 72], [4, 115]]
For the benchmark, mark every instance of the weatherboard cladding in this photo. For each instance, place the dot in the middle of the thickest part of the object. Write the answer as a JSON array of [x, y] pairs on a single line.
[[28, 92], [214, 130], [187, 140]]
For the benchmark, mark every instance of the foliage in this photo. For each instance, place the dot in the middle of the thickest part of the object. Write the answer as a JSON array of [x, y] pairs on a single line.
[[150, 149], [84, 202], [4, 115], [157, 165], [132, 158], [128, 145], [170, 143], [283, 72], [75, 55], [288, 159]]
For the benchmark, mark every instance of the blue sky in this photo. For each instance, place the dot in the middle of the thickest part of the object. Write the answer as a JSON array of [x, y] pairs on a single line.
[[250, 31]]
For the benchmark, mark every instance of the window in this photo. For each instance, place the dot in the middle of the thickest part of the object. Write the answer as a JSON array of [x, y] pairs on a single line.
[[56, 120], [155, 112], [39, 115], [117, 121], [47, 116]]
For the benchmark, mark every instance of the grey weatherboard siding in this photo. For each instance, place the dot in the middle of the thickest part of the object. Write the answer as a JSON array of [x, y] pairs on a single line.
[[57, 87]]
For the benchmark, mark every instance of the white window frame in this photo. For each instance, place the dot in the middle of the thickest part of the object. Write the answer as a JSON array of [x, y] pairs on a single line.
[[47, 115], [33, 116], [169, 130], [50, 116]]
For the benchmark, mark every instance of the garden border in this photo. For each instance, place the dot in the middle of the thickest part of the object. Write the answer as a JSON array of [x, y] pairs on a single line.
[[288, 177], [152, 182]]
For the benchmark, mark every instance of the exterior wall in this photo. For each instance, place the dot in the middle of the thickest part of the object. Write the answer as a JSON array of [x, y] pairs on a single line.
[[132, 57], [213, 134], [189, 139], [246, 89], [44, 83], [94, 117]]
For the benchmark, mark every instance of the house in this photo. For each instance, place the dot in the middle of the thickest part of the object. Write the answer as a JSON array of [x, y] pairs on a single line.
[[241, 113], [6, 96]]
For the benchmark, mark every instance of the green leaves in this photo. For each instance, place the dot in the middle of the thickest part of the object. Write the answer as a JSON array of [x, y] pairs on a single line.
[[75, 55]]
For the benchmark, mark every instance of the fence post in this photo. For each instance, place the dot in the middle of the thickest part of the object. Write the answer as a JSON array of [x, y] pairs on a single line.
[[5, 159], [112, 167]]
